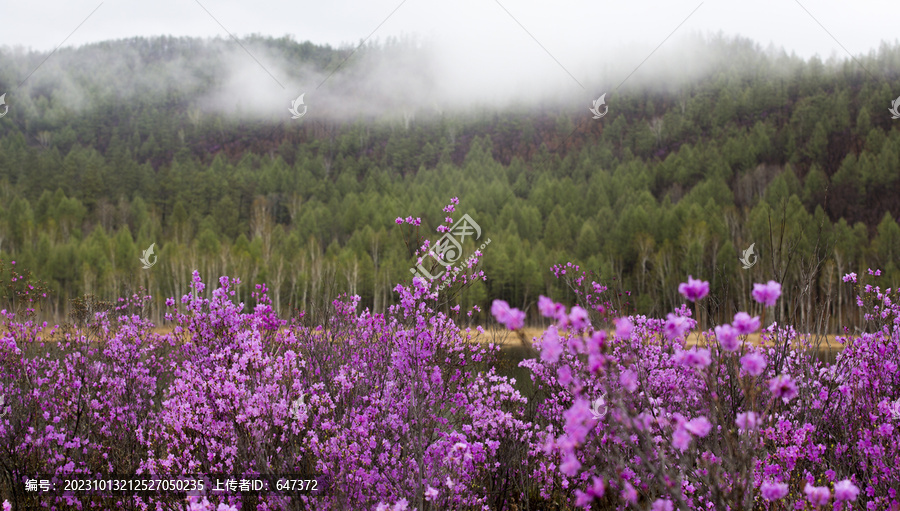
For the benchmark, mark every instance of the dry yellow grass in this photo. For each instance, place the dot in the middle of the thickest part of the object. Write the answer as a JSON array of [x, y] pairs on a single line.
[[502, 336]]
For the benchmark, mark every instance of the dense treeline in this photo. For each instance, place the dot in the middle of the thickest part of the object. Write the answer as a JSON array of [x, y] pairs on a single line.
[[799, 157]]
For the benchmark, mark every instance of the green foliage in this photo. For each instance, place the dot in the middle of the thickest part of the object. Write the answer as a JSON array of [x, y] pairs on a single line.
[[669, 183]]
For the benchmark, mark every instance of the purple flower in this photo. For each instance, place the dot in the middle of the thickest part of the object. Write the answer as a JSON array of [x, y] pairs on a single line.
[[582, 499], [747, 420], [564, 375], [727, 336], [630, 493], [784, 387], [629, 380], [579, 421], [662, 505], [578, 317], [514, 319], [551, 349], [693, 289], [771, 490], [7, 506], [767, 293], [624, 328], [431, 493], [745, 324], [754, 363], [681, 439], [845, 490], [699, 426], [850, 276], [595, 342], [547, 307], [676, 326], [817, 495], [696, 358], [570, 465], [596, 490], [399, 220], [500, 310]]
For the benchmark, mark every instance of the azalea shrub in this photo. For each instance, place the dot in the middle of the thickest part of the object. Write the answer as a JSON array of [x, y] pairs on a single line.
[[404, 410], [639, 418]]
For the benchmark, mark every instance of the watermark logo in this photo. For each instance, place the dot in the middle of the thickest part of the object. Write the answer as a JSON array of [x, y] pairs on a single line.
[[2, 406], [298, 407], [746, 259], [146, 257], [448, 249], [894, 109], [599, 408], [3, 104], [465, 263], [601, 101], [295, 104]]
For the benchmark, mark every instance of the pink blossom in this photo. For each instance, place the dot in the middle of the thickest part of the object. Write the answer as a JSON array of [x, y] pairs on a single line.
[[681, 439], [845, 490], [747, 420], [570, 465], [773, 491], [7, 506], [431, 493], [595, 491], [582, 499], [624, 328], [754, 363], [745, 324], [629, 380], [629, 493], [727, 336], [699, 426], [694, 289], [514, 319], [579, 420], [695, 357], [817, 495], [596, 342], [767, 293], [551, 349], [850, 276], [548, 308], [399, 220], [564, 375], [578, 317], [662, 505], [784, 387], [676, 326]]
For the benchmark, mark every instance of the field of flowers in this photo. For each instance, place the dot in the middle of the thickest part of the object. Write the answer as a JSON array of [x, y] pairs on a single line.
[[398, 411]]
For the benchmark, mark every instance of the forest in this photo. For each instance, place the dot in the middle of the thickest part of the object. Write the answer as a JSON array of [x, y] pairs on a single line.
[[797, 157]]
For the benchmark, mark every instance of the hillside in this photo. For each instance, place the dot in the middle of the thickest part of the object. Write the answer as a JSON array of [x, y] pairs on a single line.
[[112, 147]]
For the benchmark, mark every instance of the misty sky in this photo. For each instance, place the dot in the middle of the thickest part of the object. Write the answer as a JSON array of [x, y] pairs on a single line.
[[564, 28], [484, 50]]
